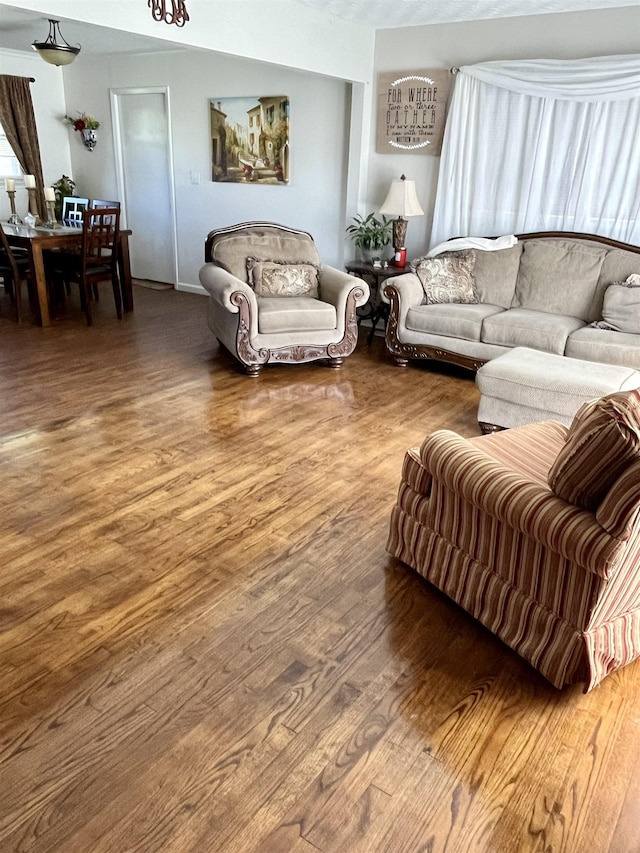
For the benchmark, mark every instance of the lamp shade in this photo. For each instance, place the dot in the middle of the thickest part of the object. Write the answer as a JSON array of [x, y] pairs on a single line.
[[54, 49], [402, 200]]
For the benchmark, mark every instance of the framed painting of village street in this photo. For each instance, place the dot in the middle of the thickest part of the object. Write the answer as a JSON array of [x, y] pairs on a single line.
[[250, 140]]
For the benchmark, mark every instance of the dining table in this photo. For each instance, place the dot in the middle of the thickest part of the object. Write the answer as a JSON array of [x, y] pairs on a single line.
[[41, 237]]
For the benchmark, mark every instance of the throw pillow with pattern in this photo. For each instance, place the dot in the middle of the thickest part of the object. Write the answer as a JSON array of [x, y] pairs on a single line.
[[280, 278], [602, 442], [447, 277]]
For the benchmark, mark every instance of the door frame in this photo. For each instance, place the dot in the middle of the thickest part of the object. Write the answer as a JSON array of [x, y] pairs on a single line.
[[115, 95]]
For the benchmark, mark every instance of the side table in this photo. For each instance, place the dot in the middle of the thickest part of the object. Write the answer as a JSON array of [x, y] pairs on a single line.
[[376, 308]]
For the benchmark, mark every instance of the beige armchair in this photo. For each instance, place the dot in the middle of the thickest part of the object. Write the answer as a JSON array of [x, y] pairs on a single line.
[[272, 301], [535, 531]]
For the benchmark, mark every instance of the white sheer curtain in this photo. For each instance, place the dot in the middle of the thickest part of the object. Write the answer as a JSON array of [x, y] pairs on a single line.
[[542, 145]]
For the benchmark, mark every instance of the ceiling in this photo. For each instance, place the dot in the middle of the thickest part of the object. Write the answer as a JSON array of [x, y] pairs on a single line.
[[20, 27], [381, 14]]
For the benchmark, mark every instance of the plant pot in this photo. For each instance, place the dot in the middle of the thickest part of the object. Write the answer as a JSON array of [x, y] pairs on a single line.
[[375, 257], [369, 256]]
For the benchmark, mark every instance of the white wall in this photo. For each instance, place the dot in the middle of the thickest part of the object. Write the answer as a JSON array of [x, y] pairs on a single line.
[[570, 35], [280, 31], [314, 200], [47, 94]]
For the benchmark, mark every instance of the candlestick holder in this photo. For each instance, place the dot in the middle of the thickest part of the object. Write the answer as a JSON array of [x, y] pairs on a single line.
[[33, 204], [51, 215], [14, 219]]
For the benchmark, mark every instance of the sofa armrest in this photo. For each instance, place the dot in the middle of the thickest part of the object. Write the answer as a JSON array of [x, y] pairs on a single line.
[[221, 285], [409, 290], [335, 286], [517, 501]]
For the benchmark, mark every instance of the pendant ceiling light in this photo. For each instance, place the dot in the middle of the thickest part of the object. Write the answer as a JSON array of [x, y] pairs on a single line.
[[55, 50], [169, 11]]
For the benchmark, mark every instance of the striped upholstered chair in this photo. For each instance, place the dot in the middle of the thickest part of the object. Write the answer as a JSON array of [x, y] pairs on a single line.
[[535, 531]]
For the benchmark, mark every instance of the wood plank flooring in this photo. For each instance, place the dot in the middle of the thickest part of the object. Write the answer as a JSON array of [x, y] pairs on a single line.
[[203, 645]]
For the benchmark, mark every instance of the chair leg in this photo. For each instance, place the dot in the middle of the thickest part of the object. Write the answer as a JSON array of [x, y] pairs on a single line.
[[57, 288], [117, 294], [14, 289], [85, 303], [17, 292]]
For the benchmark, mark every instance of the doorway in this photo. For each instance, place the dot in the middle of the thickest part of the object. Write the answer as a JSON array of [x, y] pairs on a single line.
[[144, 171]]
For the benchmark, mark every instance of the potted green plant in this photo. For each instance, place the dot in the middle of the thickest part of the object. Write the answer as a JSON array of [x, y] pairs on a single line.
[[371, 235], [63, 187]]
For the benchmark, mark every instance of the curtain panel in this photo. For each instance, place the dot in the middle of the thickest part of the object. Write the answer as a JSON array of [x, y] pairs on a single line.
[[19, 122], [542, 145]]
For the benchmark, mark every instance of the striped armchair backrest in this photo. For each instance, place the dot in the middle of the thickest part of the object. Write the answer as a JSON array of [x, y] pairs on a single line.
[[619, 512]]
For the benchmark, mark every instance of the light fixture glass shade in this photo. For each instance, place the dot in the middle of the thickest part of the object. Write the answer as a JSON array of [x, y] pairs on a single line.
[[402, 200], [54, 49]]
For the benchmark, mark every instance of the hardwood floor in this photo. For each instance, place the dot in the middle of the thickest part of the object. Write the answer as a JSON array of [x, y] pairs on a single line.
[[203, 645]]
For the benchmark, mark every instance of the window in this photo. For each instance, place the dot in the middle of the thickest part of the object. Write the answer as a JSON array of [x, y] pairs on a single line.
[[9, 166]]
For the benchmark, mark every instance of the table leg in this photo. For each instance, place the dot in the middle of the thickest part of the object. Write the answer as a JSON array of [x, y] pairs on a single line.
[[124, 268], [40, 279]]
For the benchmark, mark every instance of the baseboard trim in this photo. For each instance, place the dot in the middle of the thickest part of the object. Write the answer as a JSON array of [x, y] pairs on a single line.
[[192, 288]]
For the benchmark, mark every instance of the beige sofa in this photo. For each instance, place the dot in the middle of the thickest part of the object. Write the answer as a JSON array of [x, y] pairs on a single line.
[[545, 293]]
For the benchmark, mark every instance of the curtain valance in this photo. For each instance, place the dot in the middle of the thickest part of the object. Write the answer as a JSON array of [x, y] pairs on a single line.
[[602, 78]]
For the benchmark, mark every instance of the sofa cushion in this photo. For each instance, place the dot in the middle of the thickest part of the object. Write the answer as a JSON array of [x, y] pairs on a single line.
[[520, 327], [527, 450], [558, 276], [279, 278], [617, 265], [447, 277], [593, 344], [603, 441], [496, 274], [231, 251], [621, 306], [295, 314], [454, 321]]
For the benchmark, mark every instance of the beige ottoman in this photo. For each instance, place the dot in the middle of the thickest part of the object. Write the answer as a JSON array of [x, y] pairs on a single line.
[[524, 386]]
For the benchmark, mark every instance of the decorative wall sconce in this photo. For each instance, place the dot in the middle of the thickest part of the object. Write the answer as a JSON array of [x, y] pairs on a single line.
[[87, 126], [169, 11], [55, 49]]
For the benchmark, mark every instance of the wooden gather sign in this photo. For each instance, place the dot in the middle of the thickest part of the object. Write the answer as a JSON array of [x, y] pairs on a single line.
[[412, 111]]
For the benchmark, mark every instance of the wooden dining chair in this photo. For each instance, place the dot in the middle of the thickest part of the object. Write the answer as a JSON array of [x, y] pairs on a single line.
[[14, 270], [98, 202], [97, 259], [73, 209]]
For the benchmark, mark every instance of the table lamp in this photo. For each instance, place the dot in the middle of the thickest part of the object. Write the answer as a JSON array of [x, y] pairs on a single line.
[[401, 201]]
